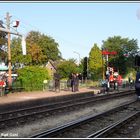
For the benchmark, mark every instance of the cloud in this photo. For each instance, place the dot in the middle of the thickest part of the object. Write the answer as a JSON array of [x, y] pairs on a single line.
[[138, 14]]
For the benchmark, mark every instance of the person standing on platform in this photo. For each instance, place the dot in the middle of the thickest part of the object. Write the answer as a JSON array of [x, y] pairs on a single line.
[[130, 81], [2, 87], [69, 82], [77, 82], [111, 80], [73, 81], [57, 82]]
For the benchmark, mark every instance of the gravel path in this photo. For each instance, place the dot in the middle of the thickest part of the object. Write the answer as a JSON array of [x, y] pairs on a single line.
[[26, 131]]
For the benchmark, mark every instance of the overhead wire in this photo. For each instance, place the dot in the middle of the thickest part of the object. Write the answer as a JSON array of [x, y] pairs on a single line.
[[64, 40], [26, 26]]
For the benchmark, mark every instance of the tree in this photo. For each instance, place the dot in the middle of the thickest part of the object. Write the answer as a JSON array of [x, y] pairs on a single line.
[[65, 68], [47, 45], [3, 41], [95, 62], [122, 46], [40, 48], [85, 68], [16, 54], [72, 60]]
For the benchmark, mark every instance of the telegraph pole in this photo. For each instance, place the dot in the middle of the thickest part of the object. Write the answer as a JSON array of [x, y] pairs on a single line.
[[103, 73], [9, 52], [7, 30]]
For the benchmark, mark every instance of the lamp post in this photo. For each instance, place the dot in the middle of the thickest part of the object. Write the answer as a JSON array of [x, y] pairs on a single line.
[[78, 56]]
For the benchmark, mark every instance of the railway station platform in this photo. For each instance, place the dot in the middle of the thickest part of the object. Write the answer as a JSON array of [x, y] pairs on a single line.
[[22, 99], [23, 96]]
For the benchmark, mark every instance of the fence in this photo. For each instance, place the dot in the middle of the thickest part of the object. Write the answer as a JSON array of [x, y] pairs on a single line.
[[112, 87], [48, 85]]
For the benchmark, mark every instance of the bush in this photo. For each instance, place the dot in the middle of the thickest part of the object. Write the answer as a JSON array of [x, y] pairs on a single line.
[[131, 72], [32, 77]]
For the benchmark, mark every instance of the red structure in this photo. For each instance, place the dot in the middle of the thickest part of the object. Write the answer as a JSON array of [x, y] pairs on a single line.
[[107, 53], [16, 23], [2, 83]]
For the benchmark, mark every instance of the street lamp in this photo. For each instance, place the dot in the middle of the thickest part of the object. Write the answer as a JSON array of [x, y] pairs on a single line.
[[78, 55]]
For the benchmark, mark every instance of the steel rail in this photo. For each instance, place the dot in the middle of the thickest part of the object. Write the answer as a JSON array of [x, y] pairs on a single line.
[[73, 124], [52, 109], [58, 105], [107, 130]]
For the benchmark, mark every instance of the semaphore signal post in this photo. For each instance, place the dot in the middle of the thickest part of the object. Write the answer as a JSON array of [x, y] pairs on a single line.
[[107, 53], [7, 30]]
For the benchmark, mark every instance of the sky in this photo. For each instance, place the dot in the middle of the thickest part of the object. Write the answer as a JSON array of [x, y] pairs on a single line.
[[76, 26]]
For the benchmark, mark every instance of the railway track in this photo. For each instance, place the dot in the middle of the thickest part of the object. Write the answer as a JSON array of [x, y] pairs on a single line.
[[93, 125], [22, 116], [125, 128]]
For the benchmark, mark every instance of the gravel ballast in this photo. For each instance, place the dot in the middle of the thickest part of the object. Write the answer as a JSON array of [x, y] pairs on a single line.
[[25, 131]]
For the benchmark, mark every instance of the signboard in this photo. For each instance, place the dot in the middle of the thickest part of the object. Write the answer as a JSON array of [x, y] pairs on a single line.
[[2, 84], [23, 43], [116, 74], [13, 75]]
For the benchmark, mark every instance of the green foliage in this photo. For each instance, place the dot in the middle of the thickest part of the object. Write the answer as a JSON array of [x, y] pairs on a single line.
[[49, 47], [95, 62], [121, 46], [3, 56], [16, 53], [81, 66], [3, 41], [85, 67], [40, 48], [65, 68], [131, 72], [32, 77], [72, 60]]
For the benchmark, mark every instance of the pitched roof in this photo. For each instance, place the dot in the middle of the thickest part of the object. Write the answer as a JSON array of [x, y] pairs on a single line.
[[54, 63]]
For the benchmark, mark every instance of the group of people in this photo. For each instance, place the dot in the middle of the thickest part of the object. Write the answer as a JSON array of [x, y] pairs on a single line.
[[73, 81], [3, 83], [115, 81]]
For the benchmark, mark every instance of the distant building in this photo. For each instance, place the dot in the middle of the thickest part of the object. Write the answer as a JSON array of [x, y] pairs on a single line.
[[51, 66], [3, 67]]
